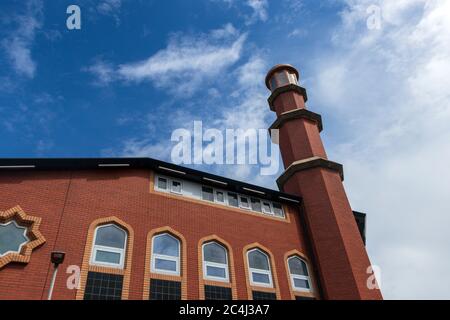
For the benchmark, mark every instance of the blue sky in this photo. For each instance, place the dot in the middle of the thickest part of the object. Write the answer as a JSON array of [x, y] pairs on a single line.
[[139, 69], [66, 111]]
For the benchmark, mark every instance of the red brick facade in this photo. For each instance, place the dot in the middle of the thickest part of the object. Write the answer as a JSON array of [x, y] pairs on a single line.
[[342, 260], [321, 228], [68, 203]]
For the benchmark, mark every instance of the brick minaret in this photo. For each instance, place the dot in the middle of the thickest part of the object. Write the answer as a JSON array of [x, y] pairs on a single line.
[[341, 258]]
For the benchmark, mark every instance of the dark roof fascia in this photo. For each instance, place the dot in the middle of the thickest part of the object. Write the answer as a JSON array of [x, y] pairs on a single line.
[[145, 163]]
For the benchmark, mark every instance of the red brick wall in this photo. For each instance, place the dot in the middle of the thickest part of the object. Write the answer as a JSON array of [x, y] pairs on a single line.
[[68, 202]]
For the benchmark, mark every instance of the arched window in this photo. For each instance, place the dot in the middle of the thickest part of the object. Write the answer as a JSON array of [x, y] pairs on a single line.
[[166, 254], [215, 262], [259, 268], [299, 274], [109, 246]]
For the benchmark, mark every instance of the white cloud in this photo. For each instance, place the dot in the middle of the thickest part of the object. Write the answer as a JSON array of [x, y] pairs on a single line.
[[18, 44], [298, 33], [247, 108], [248, 102], [244, 108], [103, 71], [110, 8], [145, 148], [388, 91], [259, 9], [185, 64]]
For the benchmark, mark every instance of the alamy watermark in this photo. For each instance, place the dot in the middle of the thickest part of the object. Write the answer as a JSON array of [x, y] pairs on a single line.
[[73, 21], [374, 19], [227, 147], [374, 279]]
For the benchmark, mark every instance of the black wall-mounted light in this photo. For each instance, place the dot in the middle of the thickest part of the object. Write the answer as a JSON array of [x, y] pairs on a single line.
[[56, 257]]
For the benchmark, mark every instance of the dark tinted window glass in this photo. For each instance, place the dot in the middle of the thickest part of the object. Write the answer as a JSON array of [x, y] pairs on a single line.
[[232, 199], [162, 183], [207, 194], [244, 202], [278, 210], [220, 196], [256, 204], [165, 290], [259, 295], [176, 186], [103, 286], [217, 293]]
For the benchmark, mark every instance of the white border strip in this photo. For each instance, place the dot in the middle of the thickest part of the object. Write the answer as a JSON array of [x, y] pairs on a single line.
[[113, 164], [287, 199], [18, 167], [252, 190], [215, 181], [172, 170]]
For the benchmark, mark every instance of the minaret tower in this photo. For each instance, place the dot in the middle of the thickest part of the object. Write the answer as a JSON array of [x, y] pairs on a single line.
[[340, 254]]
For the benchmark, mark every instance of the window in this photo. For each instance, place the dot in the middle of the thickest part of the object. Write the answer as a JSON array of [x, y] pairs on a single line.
[[217, 293], [165, 254], [215, 262], [256, 204], [233, 199], [162, 183], [259, 268], [273, 83], [299, 274], [266, 207], [207, 194], [220, 196], [103, 286], [258, 295], [278, 210], [243, 202], [109, 246], [12, 238], [282, 78], [176, 186], [292, 78], [165, 290]]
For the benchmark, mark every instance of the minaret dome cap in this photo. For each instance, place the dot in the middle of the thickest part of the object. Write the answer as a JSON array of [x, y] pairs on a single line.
[[277, 68]]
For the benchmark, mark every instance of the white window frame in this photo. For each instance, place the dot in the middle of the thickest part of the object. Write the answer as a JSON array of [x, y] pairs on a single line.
[[240, 196], [228, 200], [120, 251], [171, 185], [299, 277], [283, 216], [155, 256], [260, 203], [215, 264], [213, 194], [25, 230], [225, 198], [167, 184], [226, 194], [260, 271], [270, 212]]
